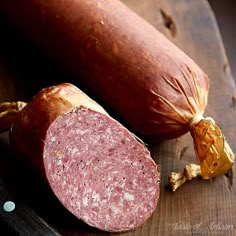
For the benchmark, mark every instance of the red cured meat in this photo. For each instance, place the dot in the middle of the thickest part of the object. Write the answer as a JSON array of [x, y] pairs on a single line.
[[94, 165], [29, 129], [99, 171]]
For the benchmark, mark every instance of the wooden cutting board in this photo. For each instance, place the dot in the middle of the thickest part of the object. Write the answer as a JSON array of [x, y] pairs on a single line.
[[199, 207]]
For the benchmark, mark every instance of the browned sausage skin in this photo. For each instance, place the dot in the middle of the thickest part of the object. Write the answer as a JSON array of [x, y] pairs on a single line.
[[94, 165], [130, 67], [31, 124]]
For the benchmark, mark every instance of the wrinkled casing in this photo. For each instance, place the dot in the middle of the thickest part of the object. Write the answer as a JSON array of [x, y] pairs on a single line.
[[130, 67]]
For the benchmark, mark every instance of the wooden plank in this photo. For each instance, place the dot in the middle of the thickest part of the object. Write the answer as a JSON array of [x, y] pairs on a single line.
[[199, 207]]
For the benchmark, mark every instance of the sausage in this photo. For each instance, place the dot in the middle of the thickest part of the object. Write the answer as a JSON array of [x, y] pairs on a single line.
[[95, 167], [131, 68]]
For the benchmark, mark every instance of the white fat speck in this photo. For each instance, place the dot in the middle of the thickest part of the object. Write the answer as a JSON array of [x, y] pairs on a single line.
[[53, 139], [85, 201], [59, 162], [81, 132], [150, 189], [115, 210], [109, 194], [109, 178], [150, 180], [128, 196], [108, 130], [74, 150], [95, 197]]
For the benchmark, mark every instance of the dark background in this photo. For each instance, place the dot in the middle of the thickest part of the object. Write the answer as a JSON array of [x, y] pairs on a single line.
[[225, 12]]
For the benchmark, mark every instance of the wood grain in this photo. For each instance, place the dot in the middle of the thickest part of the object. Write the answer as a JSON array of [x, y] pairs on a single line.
[[199, 207]]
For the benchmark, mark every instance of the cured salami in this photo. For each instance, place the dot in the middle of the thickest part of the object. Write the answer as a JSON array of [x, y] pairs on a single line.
[[148, 83], [136, 72], [94, 165]]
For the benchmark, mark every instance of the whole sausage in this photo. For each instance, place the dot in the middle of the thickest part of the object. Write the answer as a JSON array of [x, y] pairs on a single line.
[[131, 68], [95, 167]]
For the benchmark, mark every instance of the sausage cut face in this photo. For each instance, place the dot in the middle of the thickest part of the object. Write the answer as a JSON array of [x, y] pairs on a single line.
[[99, 171]]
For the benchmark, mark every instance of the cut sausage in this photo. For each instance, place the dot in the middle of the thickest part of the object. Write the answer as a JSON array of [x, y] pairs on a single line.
[[99, 171], [29, 129], [93, 164]]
